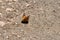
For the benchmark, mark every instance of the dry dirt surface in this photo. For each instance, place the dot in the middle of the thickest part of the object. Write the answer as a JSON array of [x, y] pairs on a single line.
[[44, 20]]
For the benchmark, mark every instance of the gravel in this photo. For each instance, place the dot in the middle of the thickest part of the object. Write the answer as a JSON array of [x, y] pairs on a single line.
[[44, 20]]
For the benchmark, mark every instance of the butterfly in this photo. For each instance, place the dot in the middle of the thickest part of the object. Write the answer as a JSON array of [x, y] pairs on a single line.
[[25, 19]]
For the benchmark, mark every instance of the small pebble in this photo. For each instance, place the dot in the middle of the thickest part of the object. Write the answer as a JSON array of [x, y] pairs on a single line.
[[16, 23], [30, 36], [15, 0], [0, 33], [1, 14], [2, 7], [34, 1], [7, 37], [9, 3], [8, 0], [14, 33], [27, 5], [18, 36], [59, 32], [9, 9], [22, 30], [2, 23], [0, 0], [10, 35]]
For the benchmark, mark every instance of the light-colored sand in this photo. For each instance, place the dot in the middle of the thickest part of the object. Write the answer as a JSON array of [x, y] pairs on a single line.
[[44, 20]]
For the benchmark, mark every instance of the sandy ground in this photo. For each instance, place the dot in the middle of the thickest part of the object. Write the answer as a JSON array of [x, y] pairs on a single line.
[[44, 20]]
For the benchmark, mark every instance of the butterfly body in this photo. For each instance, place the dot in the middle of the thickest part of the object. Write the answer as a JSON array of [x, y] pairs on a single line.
[[25, 19]]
